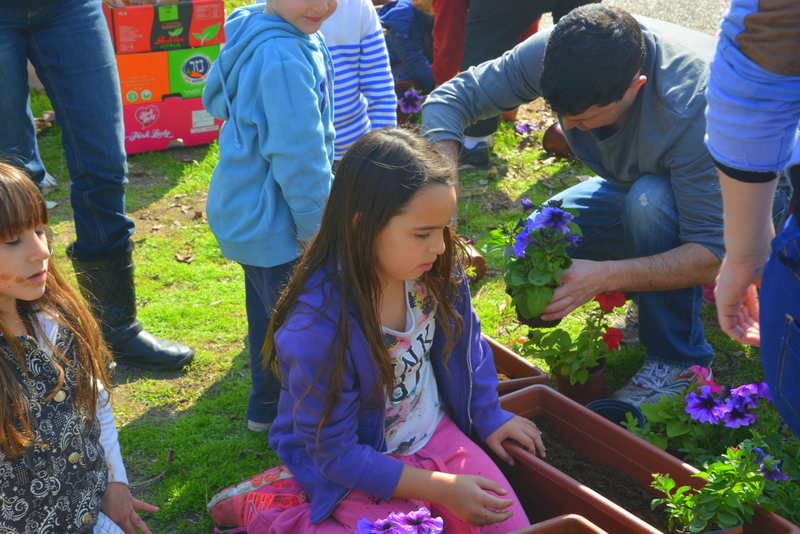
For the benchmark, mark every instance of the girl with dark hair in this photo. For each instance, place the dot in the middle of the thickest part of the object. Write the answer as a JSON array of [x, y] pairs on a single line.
[[59, 454], [383, 368]]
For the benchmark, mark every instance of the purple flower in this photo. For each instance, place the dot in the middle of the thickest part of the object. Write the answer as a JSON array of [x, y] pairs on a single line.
[[704, 407], [410, 102], [390, 525], [422, 521], [572, 239], [759, 454], [772, 472], [525, 128], [522, 240], [471, 241], [734, 412], [757, 391], [555, 218], [527, 205]]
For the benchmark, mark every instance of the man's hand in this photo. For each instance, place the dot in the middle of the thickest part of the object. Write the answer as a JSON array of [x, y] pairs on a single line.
[[120, 506], [521, 430], [580, 283]]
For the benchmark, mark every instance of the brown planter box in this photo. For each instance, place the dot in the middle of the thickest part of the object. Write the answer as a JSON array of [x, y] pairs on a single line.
[[563, 524], [546, 492], [521, 372]]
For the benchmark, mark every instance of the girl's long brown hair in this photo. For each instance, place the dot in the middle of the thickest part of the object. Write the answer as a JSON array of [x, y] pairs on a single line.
[[22, 208], [375, 181]]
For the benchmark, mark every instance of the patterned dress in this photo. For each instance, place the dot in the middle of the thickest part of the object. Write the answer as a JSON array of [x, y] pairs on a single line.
[[57, 486]]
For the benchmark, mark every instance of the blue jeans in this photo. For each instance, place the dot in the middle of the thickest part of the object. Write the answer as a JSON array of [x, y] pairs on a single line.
[[69, 44], [263, 286], [780, 331], [617, 224]]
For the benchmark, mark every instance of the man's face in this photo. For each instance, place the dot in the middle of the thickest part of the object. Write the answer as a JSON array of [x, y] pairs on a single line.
[[610, 115]]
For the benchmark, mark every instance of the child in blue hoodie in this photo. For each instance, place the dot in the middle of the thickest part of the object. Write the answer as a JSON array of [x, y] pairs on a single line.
[[273, 87]]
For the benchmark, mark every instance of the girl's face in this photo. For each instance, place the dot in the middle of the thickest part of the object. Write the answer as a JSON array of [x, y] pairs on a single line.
[[23, 267], [412, 240], [305, 15]]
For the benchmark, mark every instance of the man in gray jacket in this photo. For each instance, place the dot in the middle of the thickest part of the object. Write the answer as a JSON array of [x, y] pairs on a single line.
[[629, 94]]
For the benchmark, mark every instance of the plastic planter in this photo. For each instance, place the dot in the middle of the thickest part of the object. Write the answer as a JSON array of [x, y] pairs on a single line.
[[563, 524], [546, 492], [521, 372]]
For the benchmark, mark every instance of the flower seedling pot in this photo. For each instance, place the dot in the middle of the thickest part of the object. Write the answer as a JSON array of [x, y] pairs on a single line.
[[615, 410], [521, 372], [593, 389], [546, 492], [563, 524], [533, 322], [554, 141], [736, 529]]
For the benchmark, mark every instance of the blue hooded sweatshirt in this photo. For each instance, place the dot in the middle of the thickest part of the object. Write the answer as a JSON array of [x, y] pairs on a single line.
[[273, 87]]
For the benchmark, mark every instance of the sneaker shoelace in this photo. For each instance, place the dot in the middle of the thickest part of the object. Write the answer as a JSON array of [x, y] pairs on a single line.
[[650, 374]]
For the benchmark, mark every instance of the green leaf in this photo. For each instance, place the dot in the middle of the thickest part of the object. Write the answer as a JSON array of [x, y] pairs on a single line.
[[676, 428], [538, 298], [208, 33]]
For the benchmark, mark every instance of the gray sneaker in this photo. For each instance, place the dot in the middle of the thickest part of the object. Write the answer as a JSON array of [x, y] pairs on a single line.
[[629, 323], [653, 381]]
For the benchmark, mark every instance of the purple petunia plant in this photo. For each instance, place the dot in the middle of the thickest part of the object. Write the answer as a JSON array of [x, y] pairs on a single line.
[[416, 522], [536, 254], [410, 102]]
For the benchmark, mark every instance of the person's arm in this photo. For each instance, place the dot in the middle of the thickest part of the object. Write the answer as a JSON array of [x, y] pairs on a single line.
[[118, 503], [374, 71], [412, 55], [695, 187], [484, 91], [747, 246]]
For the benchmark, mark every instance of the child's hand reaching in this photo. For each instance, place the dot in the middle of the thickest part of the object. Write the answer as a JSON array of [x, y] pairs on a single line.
[[521, 430], [120, 506]]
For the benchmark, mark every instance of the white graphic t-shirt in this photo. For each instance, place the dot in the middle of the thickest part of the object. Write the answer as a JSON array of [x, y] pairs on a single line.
[[414, 410]]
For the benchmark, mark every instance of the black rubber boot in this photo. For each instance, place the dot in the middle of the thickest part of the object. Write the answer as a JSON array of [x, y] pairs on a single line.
[[108, 287]]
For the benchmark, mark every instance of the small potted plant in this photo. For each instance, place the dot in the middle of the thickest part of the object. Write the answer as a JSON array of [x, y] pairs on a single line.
[[733, 483], [419, 522], [537, 259], [580, 360]]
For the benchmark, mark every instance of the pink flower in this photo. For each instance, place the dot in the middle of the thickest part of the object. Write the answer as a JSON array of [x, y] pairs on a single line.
[[610, 300], [612, 337], [704, 378]]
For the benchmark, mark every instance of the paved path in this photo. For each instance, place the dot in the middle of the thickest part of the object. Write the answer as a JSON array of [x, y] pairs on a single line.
[[702, 15]]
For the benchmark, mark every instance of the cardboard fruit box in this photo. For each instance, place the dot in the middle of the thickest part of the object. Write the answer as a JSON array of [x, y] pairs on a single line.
[[150, 77], [172, 123], [169, 25]]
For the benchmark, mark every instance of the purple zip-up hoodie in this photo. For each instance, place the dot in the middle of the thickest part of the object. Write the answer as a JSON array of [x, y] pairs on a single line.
[[348, 454]]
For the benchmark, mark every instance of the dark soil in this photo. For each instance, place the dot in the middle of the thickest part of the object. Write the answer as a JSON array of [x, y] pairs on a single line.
[[621, 489]]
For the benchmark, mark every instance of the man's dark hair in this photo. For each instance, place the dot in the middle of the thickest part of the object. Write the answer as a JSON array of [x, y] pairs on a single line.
[[591, 57]]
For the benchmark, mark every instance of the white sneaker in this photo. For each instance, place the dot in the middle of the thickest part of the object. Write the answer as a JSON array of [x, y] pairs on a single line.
[[258, 427], [654, 381], [629, 323]]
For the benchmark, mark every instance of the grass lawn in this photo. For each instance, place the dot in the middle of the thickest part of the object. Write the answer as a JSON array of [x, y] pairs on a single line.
[[187, 291]]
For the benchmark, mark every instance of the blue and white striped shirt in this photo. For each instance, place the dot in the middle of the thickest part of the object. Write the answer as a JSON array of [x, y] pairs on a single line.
[[363, 95]]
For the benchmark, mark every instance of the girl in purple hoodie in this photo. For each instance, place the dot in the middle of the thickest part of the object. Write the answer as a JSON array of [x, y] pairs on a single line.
[[383, 368]]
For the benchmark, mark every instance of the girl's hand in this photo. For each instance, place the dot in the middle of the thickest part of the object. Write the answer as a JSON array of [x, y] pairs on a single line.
[[468, 498], [120, 506], [521, 430]]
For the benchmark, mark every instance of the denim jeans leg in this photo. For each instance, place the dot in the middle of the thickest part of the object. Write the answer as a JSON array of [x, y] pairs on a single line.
[[69, 44], [263, 286], [669, 321], [18, 134], [780, 322]]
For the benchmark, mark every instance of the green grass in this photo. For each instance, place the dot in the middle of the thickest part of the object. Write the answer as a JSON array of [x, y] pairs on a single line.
[[199, 413]]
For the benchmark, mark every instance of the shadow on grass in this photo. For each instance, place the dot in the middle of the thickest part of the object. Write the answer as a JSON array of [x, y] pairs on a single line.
[[212, 447]]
